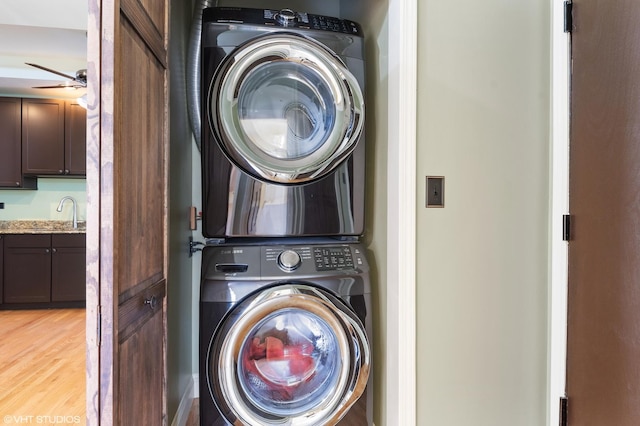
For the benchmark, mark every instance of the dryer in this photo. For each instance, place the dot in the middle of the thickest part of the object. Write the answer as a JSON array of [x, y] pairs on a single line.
[[285, 335], [283, 146]]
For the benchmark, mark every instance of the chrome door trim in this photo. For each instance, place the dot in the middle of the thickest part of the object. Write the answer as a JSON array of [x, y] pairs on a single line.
[[295, 49], [224, 353]]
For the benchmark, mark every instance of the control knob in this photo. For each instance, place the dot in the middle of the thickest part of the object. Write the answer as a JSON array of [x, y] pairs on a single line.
[[287, 17], [289, 260]]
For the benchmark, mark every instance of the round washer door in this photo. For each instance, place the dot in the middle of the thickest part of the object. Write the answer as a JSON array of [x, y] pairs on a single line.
[[291, 354], [285, 109]]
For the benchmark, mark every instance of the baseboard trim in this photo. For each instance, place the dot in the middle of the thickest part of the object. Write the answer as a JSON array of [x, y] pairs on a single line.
[[182, 414], [196, 385]]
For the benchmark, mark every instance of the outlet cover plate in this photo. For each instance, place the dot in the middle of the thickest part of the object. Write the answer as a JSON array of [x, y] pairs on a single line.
[[435, 191]]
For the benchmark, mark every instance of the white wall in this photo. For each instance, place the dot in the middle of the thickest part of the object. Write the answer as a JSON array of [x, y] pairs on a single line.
[[482, 268]]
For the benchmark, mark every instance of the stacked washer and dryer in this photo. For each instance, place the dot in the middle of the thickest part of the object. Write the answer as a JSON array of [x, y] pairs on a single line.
[[285, 303]]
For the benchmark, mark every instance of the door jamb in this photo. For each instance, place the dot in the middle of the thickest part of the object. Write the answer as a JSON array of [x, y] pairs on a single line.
[[558, 258], [400, 347]]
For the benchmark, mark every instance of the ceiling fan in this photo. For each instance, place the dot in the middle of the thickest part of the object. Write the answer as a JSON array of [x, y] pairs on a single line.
[[77, 82]]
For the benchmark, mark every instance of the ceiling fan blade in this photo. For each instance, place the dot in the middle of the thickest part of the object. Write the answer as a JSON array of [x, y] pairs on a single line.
[[50, 87], [62, 86], [52, 71]]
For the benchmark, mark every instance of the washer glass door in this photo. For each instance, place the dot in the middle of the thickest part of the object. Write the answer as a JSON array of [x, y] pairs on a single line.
[[292, 354], [285, 109]]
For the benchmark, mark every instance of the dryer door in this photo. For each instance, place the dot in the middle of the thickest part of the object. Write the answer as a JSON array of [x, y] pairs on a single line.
[[285, 109], [290, 354]]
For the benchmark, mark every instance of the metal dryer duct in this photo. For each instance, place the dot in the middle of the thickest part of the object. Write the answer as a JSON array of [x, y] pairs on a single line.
[[193, 69]]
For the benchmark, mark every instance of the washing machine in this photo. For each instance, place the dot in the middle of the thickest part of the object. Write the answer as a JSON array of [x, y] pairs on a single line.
[[283, 147], [285, 335]]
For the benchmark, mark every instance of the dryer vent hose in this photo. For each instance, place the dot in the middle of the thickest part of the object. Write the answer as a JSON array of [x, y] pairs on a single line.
[[193, 69]]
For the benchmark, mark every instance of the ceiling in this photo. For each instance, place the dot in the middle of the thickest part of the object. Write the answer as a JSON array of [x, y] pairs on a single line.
[[51, 33]]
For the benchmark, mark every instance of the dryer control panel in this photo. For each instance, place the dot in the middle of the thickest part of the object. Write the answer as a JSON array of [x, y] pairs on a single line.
[[281, 18]]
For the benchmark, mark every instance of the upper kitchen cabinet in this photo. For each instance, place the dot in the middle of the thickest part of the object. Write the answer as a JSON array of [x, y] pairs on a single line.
[[53, 138], [10, 142], [75, 138]]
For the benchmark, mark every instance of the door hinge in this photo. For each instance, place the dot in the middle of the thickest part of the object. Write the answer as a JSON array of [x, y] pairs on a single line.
[[566, 227], [99, 327], [568, 16], [564, 401]]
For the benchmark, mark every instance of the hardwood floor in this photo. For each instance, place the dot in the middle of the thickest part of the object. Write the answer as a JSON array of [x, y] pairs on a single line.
[[194, 414], [42, 366]]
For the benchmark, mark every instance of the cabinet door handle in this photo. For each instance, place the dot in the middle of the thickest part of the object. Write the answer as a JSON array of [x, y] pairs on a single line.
[[46, 250], [152, 302], [54, 250]]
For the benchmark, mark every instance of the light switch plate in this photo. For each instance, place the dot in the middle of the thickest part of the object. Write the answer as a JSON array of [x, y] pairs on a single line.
[[435, 191]]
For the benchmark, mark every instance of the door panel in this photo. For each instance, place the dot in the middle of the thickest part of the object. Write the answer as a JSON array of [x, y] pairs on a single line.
[[140, 167], [603, 379]]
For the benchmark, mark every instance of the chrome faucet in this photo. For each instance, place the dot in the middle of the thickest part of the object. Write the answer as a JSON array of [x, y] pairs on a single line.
[[75, 214]]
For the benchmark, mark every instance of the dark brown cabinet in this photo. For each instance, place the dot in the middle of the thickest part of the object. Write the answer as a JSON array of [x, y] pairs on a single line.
[[44, 269], [68, 267], [75, 138], [1, 269], [27, 276], [53, 138], [10, 146]]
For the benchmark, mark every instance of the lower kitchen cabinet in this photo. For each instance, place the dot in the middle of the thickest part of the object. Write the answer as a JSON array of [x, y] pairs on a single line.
[[1, 269], [27, 276], [68, 267], [44, 269]]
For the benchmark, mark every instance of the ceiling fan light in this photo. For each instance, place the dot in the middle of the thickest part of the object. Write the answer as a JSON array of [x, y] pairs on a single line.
[[82, 101]]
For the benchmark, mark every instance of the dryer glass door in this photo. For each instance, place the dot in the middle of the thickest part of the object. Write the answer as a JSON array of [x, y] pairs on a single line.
[[285, 109], [292, 353]]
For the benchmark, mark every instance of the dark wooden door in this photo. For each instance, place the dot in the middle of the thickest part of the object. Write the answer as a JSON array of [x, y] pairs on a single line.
[[603, 377], [43, 136], [10, 133], [127, 180]]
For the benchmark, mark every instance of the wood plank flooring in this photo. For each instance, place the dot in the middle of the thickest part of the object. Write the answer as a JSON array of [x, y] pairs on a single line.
[[42, 366], [194, 414]]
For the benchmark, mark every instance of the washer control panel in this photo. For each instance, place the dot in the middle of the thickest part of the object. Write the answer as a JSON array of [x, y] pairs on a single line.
[[279, 261], [316, 258]]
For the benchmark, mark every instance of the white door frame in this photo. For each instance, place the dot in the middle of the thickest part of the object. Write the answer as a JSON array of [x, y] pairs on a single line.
[[400, 347], [557, 299]]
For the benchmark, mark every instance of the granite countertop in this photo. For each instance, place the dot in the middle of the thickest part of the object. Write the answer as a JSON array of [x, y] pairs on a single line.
[[41, 227]]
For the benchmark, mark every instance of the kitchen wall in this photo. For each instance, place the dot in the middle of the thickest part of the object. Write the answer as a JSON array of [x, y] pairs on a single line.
[[482, 268], [41, 203]]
